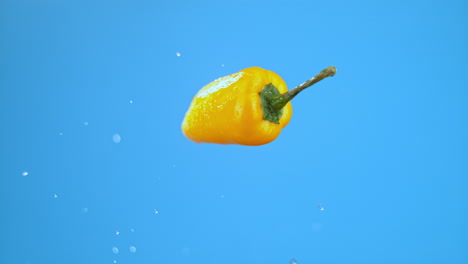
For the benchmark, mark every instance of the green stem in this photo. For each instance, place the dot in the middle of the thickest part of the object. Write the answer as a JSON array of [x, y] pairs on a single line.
[[279, 102]]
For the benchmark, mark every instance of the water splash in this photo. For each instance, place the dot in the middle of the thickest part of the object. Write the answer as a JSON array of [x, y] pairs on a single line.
[[116, 138], [320, 207]]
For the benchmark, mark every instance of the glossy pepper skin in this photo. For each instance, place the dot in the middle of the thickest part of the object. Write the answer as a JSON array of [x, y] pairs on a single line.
[[229, 111], [249, 107]]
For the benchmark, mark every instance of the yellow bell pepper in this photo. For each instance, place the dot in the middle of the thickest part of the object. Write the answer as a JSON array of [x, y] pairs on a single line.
[[249, 107]]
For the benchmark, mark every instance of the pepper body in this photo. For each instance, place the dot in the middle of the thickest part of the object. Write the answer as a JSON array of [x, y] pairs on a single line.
[[229, 111]]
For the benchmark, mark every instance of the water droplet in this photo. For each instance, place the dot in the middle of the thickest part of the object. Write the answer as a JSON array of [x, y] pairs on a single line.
[[115, 250], [132, 249], [177, 54], [320, 207], [156, 211], [25, 173], [116, 138], [85, 123], [84, 210], [117, 232], [292, 261]]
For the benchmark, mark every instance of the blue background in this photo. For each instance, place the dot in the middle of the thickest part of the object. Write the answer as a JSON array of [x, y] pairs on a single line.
[[382, 146]]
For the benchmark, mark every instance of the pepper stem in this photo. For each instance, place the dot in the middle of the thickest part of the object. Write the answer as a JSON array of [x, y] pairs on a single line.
[[279, 102]]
